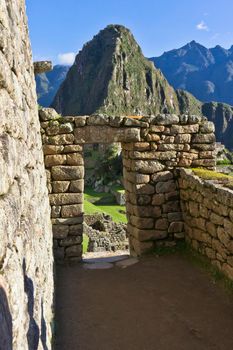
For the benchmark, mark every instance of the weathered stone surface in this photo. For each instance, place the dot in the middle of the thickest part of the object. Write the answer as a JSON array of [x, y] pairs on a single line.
[[57, 159], [60, 186], [203, 138], [67, 172], [77, 186], [75, 159], [162, 176], [166, 119], [26, 257], [46, 114], [147, 166], [106, 134], [42, 66], [165, 187], [51, 149], [70, 211], [60, 231], [65, 198], [64, 139]]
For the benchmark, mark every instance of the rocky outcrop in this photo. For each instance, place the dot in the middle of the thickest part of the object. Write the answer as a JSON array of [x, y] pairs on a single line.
[[26, 261], [110, 75]]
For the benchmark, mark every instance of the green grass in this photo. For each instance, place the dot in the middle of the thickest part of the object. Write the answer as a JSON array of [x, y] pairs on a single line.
[[85, 243], [103, 203], [224, 162], [213, 175]]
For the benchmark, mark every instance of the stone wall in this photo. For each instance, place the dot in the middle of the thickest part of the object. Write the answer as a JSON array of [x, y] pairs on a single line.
[[26, 262], [208, 219], [153, 147]]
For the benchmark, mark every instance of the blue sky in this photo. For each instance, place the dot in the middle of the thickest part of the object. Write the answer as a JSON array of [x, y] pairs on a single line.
[[59, 28]]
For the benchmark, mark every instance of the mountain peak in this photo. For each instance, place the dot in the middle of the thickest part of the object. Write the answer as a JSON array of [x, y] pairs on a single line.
[[111, 76]]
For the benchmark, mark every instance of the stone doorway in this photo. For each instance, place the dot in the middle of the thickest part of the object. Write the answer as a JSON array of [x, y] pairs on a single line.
[[105, 222], [152, 149]]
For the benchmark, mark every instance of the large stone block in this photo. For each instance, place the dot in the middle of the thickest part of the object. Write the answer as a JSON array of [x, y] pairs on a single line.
[[65, 198], [67, 172], [147, 166], [106, 134], [70, 211]]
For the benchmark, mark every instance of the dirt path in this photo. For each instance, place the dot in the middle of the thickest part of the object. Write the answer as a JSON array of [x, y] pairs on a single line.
[[156, 304]]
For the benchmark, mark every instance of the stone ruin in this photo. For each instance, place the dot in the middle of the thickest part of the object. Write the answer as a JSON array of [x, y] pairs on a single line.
[[153, 148], [164, 202]]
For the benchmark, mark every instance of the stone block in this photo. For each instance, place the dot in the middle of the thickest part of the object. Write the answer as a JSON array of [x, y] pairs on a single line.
[[65, 139], [73, 251], [106, 134], [145, 189], [75, 159], [177, 216], [141, 146], [68, 221], [67, 172], [175, 227], [55, 211], [76, 230], [228, 271], [162, 176], [147, 166], [172, 206], [165, 187], [207, 127], [223, 236], [216, 219], [183, 138], [228, 227], [211, 228], [58, 128], [70, 241], [141, 248], [141, 178], [65, 198], [57, 159], [51, 149], [142, 223], [80, 121], [161, 224], [72, 148], [69, 211], [185, 129], [60, 186], [158, 199], [60, 231], [77, 186], [142, 199], [203, 138], [166, 119]]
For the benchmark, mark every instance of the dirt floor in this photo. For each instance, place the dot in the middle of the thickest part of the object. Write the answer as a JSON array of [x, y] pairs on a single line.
[[161, 303]]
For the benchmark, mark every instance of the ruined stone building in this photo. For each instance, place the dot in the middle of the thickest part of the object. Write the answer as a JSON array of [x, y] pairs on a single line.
[[165, 202]]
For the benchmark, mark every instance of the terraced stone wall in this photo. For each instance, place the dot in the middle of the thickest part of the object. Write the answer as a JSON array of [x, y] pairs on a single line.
[[208, 219], [152, 149]]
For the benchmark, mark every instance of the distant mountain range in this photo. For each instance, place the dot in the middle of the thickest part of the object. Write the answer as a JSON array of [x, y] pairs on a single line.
[[111, 75], [48, 83], [206, 73]]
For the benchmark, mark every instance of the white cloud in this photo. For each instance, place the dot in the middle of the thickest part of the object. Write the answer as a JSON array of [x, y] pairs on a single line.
[[202, 26], [66, 58]]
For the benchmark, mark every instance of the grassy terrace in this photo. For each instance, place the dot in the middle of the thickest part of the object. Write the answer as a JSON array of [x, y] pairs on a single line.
[[103, 203], [204, 174]]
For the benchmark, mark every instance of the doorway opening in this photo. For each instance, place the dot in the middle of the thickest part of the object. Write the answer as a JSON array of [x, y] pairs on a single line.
[[105, 221]]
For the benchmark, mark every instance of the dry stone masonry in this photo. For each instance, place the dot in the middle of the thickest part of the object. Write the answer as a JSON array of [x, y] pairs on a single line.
[[208, 219], [153, 147], [26, 261]]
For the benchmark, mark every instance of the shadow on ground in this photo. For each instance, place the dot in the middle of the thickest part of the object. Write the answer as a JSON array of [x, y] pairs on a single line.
[[161, 303]]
